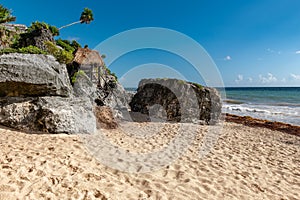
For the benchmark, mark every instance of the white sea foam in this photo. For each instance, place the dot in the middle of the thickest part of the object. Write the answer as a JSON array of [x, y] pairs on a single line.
[[287, 114]]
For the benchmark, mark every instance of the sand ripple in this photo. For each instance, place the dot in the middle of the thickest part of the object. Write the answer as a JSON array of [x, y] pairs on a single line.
[[246, 163]]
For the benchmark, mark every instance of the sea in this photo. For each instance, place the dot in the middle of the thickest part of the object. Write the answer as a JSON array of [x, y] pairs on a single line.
[[280, 104]]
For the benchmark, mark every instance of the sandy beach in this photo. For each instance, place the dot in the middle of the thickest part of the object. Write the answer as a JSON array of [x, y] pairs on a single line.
[[246, 163]]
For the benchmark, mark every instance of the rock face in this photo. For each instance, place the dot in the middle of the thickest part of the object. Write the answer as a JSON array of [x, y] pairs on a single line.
[[83, 87], [8, 32], [36, 38], [36, 95], [108, 91], [31, 75], [112, 94], [48, 114], [177, 101]]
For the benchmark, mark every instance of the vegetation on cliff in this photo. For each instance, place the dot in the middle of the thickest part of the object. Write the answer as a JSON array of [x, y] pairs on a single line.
[[62, 55], [38, 38], [6, 36], [6, 15]]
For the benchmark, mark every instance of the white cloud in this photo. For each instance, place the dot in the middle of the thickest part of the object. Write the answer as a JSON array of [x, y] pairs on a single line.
[[227, 58], [297, 52], [295, 77], [239, 78], [273, 51], [250, 79], [270, 78]]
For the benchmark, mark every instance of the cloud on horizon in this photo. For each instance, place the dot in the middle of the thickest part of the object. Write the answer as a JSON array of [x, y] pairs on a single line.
[[270, 78], [239, 78], [295, 77]]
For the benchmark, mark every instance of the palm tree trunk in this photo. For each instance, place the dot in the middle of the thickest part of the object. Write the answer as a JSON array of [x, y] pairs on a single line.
[[69, 25]]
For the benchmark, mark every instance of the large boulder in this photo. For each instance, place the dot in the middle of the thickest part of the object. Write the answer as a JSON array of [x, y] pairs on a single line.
[[31, 75], [48, 114], [36, 95], [176, 101]]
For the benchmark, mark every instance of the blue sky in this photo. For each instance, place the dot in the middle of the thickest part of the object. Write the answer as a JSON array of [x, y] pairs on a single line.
[[253, 43]]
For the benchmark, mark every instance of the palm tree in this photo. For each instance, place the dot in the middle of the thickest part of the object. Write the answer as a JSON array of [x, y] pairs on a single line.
[[86, 17], [5, 15]]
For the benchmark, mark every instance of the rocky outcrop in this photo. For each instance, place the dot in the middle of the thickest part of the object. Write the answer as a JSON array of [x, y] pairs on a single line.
[[112, 94], [30, 75], [18, 28], [108, 91], [48, 114], [36, 38], [83, 87], [36, 95], [177, 101], [8, 32]]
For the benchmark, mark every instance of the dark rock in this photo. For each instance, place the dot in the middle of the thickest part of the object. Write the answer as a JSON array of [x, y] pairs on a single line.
[[177, 101], [36, 38], [48, 114], [31, 75]]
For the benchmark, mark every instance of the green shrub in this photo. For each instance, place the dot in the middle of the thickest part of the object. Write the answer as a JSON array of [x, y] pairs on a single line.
[[198, 85], [31, 50], [68, 45], [54, 30], [61, 55], [37, 26], [8, 50], [25, 50], [111, 73], [75, 44], [65, 44]]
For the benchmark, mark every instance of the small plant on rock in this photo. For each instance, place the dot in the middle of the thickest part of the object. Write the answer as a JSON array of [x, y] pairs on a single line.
[[61, 55]]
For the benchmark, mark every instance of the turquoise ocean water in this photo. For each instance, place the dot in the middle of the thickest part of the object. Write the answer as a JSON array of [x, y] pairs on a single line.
[[272, 103]]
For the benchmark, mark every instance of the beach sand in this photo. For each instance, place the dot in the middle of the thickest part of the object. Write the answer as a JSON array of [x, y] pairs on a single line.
[[246, 163]]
